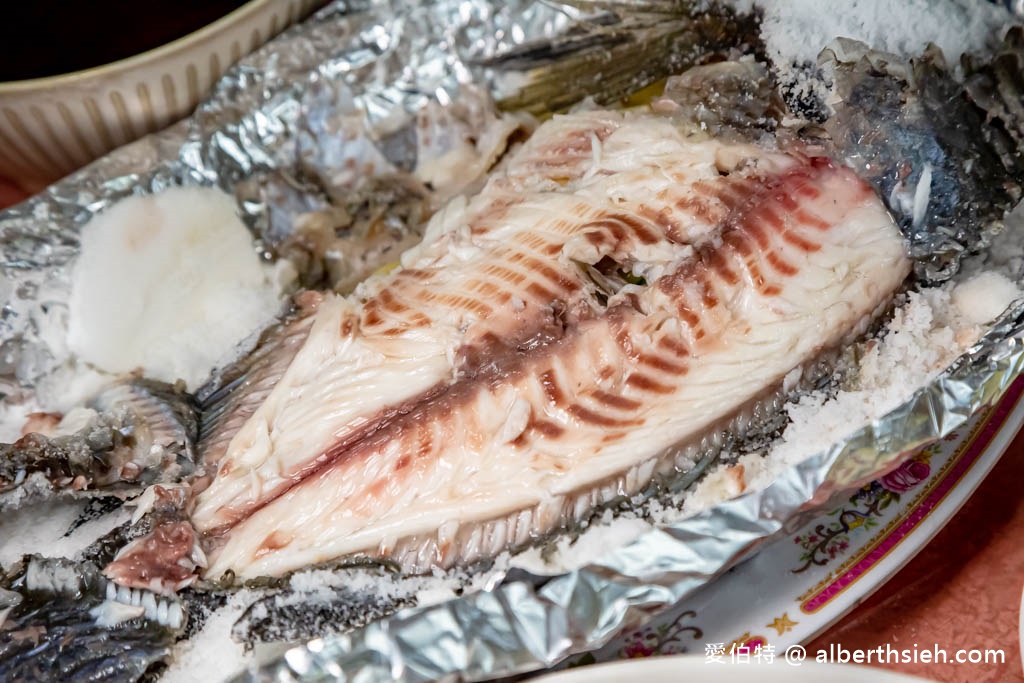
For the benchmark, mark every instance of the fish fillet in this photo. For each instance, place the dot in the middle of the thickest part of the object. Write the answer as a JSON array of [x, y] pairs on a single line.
[[620, 287]]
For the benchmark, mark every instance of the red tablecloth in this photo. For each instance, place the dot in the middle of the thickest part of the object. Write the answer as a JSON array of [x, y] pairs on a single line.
[[9, 193]]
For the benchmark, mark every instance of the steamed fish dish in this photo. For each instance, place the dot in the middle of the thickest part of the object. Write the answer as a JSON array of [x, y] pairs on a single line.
[[623, 287]]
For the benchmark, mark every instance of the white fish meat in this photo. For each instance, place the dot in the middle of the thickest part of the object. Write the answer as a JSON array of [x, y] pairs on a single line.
[[624, 285]]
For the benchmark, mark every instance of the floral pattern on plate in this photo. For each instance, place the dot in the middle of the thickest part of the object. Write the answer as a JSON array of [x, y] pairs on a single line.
[[796, 588]]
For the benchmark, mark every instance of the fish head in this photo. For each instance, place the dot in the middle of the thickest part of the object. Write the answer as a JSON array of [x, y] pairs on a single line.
[[947, 170]]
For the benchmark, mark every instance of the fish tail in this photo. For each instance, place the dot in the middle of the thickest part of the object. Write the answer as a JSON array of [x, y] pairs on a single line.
[[614, 49]]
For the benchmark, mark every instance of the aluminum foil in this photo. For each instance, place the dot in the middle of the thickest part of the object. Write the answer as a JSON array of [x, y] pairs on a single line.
[[346, 82], [277, 132]]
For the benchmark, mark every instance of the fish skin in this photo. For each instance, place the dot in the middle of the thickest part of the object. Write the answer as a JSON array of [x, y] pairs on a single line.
[[292, 614], [55, 628], [532, 386]]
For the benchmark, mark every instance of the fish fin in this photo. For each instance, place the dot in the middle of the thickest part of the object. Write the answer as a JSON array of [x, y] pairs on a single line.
[[234, 396], [168, 414]]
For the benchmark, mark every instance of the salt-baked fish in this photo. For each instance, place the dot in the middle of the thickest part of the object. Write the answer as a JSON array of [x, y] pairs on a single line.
[[624, 286], [627, 284]]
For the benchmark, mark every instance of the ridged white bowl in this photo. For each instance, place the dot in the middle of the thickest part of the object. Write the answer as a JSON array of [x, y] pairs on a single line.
[[54, 125]]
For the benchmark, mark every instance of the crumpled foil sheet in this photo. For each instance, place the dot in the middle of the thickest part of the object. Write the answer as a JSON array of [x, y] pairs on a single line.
[[289, 108], [346, 82]]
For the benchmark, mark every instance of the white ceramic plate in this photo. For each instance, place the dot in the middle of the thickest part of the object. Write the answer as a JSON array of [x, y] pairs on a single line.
[[796, 588], [697, 670]]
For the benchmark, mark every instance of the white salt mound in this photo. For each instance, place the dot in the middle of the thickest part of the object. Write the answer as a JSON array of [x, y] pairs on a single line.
[[795, 31], [42, 528], [211, 654], [984, 297], [13, 418], [169, 283]]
